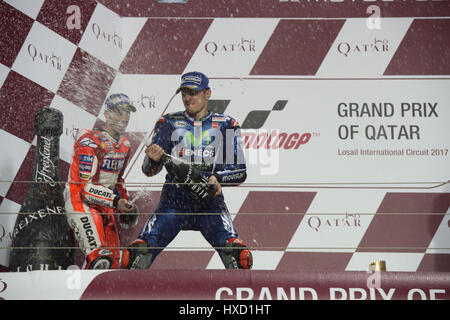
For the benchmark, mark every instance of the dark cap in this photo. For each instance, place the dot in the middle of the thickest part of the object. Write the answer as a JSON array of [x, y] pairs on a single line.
[[118, 102], [194, 80]]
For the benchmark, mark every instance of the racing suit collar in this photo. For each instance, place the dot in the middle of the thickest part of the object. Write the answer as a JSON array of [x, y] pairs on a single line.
[[192, 119], [109, 137]]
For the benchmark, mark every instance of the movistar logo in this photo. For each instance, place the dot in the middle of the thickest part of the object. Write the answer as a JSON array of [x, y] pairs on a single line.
[[190, 140]]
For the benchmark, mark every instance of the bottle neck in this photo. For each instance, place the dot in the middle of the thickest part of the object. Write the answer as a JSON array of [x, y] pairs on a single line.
[[46, 168]]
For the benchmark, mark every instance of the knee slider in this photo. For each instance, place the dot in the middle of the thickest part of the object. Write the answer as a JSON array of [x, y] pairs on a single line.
[[140, 256], [99, 259], [239, 256]]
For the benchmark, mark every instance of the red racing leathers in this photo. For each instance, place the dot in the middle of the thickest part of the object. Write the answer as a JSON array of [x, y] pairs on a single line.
[[95, 186]]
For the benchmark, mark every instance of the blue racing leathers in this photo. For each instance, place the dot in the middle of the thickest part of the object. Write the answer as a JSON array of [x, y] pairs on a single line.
[[211, 144]]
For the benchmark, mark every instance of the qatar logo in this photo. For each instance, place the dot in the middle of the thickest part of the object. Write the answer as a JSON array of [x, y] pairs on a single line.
[[145, 102], [38, 55], [376, 46], [100, 34], [349, 221], [242, 46], [71, 132]]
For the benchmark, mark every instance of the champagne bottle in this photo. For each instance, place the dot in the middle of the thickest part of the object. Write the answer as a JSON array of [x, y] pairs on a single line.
[[190, 177], [42, 238]]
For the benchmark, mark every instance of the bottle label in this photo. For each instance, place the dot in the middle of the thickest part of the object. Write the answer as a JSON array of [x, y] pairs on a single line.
[[45, 170], [29, 218]]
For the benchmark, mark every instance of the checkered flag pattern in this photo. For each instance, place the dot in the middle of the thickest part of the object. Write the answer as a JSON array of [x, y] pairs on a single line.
[[71, 55]]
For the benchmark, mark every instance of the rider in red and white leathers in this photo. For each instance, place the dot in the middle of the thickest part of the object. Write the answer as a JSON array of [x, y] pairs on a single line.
[[96, 191]]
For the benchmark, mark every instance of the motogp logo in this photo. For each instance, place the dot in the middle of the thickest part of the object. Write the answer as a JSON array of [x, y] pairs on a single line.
[[274, 139], [254, 137], [255, 119]]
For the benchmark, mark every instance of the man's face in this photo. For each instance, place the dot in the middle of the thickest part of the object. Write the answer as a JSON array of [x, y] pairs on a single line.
[[117, 121], [195, 101]]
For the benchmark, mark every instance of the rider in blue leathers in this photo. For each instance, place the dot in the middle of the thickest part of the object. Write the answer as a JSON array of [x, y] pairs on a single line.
[[211, 142]]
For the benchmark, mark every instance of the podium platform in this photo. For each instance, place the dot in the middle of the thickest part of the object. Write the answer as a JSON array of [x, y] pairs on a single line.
[[223, 285]]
